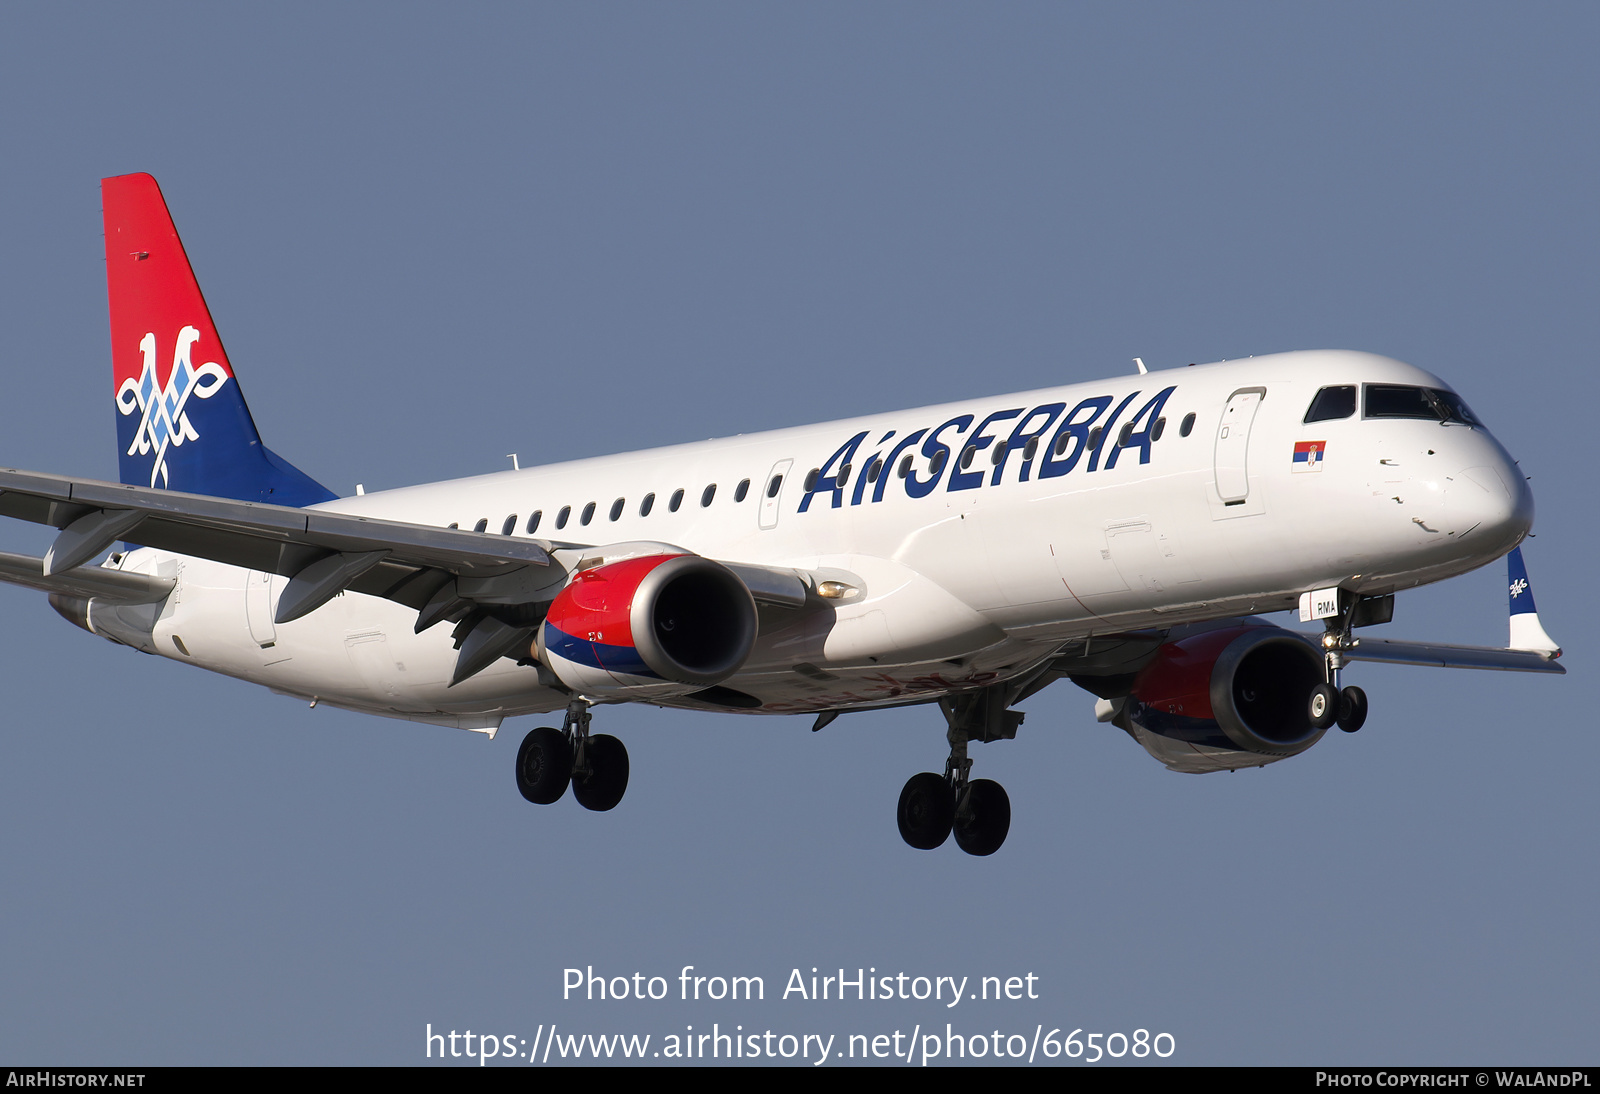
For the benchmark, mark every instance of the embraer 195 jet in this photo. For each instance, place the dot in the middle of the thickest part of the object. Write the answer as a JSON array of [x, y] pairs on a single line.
[[1123, 534]]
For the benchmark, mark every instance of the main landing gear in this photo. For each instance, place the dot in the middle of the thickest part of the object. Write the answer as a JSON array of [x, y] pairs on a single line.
[[1328, 705], [596, 766], [976, 811]]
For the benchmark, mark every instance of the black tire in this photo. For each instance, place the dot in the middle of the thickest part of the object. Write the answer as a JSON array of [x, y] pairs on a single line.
[[1352, 709], [927, 807], [981, 826], [607, 779], [1322, 706], [544, 765]]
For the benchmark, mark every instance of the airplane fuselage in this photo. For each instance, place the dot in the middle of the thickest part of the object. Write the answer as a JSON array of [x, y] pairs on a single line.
[[967, 542]]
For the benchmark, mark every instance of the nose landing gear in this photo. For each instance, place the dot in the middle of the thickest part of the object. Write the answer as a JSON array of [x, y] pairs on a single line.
[[595, 766]]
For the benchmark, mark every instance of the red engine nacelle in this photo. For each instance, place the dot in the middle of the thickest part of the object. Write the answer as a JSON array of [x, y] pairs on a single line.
[[1241, 688], [660, 625]]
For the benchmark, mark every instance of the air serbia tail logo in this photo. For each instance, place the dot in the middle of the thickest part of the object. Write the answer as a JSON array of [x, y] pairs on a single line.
[[163, 421], [164, 401]]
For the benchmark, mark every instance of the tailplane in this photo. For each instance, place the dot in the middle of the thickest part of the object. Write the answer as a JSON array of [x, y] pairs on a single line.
[[182, 422]]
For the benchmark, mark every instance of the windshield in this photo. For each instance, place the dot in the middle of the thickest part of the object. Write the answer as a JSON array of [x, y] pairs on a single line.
[[1401, 401]]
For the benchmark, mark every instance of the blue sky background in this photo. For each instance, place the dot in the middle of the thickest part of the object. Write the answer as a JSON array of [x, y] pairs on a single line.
[[431, 236]]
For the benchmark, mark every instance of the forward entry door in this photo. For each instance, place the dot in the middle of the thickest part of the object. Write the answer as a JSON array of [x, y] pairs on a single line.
[[772, 492], [1233, 445]]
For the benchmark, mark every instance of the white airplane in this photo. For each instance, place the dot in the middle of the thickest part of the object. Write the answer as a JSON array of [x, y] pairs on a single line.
[[1122, 534]]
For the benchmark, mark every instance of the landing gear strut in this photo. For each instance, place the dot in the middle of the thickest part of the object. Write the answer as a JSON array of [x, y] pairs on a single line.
[[1328, 704], [596, 766], [977, 811]]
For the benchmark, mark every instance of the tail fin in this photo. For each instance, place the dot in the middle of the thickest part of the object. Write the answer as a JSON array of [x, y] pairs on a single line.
[[181, 424], [1527, 633]]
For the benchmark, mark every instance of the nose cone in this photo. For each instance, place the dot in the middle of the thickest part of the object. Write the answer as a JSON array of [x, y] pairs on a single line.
[[1490, 506]]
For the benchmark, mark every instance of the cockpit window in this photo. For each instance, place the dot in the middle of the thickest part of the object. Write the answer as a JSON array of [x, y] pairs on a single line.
[[1332, 403], [1426, 403]]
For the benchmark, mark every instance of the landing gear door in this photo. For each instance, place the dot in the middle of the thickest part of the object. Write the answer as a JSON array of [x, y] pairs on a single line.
[[772, 492], [1233, 445]]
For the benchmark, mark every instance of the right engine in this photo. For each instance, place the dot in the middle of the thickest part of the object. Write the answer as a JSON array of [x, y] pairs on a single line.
[[650, 627], [1222, 699]]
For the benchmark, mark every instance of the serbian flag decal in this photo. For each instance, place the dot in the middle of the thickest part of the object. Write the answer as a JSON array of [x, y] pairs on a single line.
[[1308, 455]]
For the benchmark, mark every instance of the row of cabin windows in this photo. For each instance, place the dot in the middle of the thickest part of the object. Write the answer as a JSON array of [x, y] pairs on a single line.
[[646, 504], [874, 470], [998, 453]]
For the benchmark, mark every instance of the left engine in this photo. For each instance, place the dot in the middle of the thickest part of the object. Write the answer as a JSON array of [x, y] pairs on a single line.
[[650, 627], [1230, 697]]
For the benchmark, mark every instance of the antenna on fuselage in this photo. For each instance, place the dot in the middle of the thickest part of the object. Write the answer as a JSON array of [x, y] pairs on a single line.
[[1140, 362], [512, 456]]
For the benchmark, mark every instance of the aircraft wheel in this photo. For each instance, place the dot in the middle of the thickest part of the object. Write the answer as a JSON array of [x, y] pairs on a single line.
[[981, 827], [1323, 706], [544, 765], [927, 807], [1352, 709], [602, 788]]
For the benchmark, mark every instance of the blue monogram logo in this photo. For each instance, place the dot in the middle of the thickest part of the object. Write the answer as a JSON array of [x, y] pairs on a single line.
[[164, 421]]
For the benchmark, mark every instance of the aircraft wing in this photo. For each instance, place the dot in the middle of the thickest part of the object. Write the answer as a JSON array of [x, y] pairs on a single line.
[[442, 573], [1440, 655], [322, 553]]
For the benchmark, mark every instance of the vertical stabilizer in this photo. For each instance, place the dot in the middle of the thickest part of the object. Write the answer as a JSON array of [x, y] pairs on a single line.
[[182, 422], [1526, 631]]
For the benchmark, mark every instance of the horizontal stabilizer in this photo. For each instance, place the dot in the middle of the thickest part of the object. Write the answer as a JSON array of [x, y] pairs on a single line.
[[84, 581]]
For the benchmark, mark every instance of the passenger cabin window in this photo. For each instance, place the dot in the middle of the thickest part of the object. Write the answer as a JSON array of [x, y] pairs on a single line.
[[1332, 403], [533, 521], [647, 504], [874, 469], [774, 486], [998, 454], [676, 500], [706, 495], [1159, 428], [1398, 401], [811, 479], [1031, 449], [938, 462], [482, 525], [588, 514], [966, 456], [741, 490], [616, 509], [1122, 437], [905, 467], [1187, 426], [563, 516], [1094, 436], [509, 526]]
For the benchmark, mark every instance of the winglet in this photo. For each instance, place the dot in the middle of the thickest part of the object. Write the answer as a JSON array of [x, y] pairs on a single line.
[[1526, 631]]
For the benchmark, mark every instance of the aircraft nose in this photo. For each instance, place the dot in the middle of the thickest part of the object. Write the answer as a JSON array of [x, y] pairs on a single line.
[[1486, 502]]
